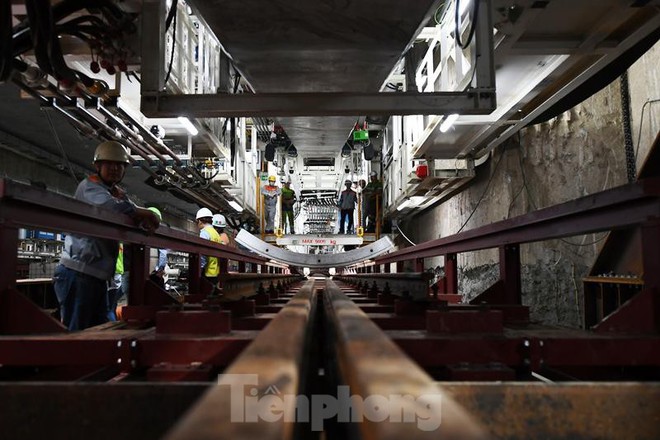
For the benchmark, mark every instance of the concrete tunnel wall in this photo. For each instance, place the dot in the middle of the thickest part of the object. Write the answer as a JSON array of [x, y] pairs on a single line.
[[577, 153]]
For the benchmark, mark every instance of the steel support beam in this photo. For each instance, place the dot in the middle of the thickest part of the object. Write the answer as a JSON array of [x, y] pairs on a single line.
[[621, 207], [473, 102], [510, 273], [20, 204]]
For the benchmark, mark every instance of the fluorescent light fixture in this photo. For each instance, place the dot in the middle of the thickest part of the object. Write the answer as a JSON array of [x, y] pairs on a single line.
[[416, 200], [448, 122], [403, 205], [463, 6], [235, 205], [188, 125]]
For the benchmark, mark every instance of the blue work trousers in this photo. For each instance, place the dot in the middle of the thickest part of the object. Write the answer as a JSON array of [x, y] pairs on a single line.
[[83, 298]]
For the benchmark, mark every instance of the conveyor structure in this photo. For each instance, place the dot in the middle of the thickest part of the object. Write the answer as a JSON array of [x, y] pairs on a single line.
[[371, 353]]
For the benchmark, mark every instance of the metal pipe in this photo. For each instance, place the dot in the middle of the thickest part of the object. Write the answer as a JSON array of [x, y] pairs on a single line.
[[151, 136]]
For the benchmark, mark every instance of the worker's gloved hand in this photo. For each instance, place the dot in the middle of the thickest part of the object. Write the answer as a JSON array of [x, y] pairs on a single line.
[[146, 219]]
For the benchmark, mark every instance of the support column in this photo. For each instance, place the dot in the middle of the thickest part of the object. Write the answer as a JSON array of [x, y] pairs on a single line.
[[139, 271], [9, 252], [419, 265], [194, 273], [510, 273], [651, 263], [387, 267], [223, 265], [242, 267], [451, 273]]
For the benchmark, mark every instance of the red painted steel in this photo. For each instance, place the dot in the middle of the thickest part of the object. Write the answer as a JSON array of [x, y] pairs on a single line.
[[464, 321], [19, 315], [193, 322], [620, 207], [510, 273]]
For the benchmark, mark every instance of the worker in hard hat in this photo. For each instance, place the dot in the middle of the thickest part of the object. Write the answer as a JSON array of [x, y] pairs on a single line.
[[157, 275], [270, 192], [88, 263], [372, 202], [346, 204], [288, 200], [219, 222], [210, 265]]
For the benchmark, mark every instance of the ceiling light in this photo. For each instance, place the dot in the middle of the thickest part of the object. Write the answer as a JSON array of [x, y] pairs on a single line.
[[235, 205], [188, 125], [346, 150], [448, 122], [464, 4], [416, 200], [403, 205]]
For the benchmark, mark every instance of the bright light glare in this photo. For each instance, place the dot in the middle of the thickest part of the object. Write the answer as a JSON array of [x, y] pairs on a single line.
[[188, 125], [448, 122]]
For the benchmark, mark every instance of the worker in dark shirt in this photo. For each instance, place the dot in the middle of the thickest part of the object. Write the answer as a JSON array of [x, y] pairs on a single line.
[[346, 204]]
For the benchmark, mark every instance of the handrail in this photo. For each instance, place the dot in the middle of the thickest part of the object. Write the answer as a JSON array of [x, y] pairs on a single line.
[[619, 207], [25, 206]]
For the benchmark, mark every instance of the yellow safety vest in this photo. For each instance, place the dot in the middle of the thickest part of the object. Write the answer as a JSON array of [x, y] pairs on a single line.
[[119, 267], [212, 266]]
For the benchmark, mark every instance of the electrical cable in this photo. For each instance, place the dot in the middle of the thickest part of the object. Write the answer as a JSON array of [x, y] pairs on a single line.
[[404, 236], [473, 23], [641, 123], [61, 147], [169, 21], [442, 8], [482, 194], [535, 206]]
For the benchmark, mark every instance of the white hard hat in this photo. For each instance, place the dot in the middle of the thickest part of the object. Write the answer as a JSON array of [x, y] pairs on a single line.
[[204, 213], [111, 151], [373, 174], [219, 221]]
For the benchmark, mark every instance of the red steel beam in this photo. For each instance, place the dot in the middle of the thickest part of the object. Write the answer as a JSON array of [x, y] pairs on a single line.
[[620, 207], [24, 206]]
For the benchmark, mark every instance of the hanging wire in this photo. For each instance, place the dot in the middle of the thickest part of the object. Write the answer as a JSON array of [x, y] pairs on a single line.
[[59, 144], [535, 206], [483, 193], [404, 236], [473, 23], [171, 19], [641, 123]]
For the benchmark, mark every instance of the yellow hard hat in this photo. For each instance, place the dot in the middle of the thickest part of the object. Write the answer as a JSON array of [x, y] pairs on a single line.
[[272, 178]]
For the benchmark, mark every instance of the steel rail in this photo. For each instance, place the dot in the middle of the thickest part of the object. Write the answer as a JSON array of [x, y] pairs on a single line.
[[374, 367], [271, 365]]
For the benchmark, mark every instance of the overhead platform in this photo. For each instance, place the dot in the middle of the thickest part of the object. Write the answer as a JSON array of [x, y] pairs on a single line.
[[319, 240], [314, 260]]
